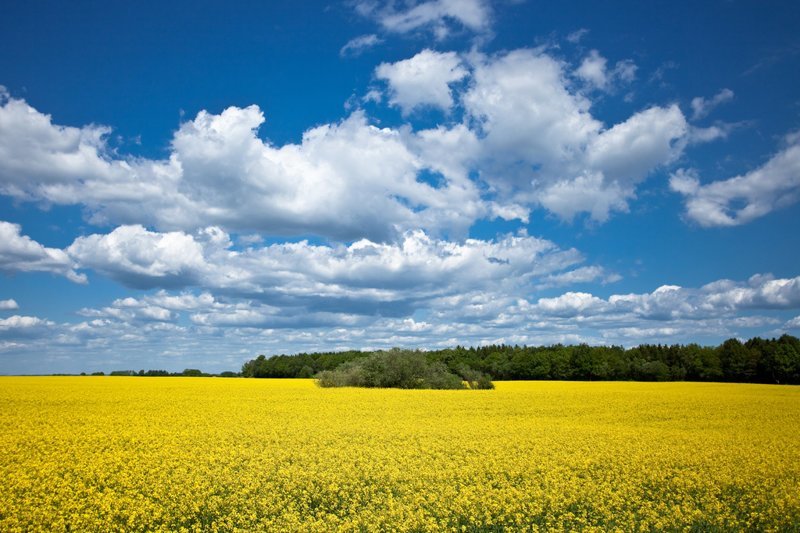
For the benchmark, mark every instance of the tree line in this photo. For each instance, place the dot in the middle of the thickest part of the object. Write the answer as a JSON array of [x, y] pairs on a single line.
[[754, 361], [188, 372]]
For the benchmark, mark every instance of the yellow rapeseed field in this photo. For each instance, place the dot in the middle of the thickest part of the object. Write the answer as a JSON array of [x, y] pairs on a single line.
[[141, 454]]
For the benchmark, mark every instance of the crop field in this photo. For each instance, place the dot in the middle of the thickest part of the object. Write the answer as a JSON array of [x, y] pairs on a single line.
[[136, 454]]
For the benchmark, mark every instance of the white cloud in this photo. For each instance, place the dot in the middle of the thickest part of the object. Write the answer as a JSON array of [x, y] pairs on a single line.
[[570, 304], [22, 327], [619, 159], [139, 258], [345, 180], [587, 193], [744, 198], [525, 112], [453, 152], [527, 139], [629, 150], [438, 16], [8, 305], [701, 107], [718, 299], [17, 321], [131, 313], [423, 80], [365, 276], [584, 274], [20, 253], [357, 45], [593, 70], [576, 36], [711, 133], [179, 330], [624, 71], [761, 291], [541, 145]]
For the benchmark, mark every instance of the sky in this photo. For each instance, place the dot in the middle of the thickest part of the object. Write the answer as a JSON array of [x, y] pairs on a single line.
[[191, 184]]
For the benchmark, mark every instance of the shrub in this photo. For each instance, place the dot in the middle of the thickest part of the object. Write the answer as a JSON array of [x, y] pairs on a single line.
[[400, 369], [475, 379]]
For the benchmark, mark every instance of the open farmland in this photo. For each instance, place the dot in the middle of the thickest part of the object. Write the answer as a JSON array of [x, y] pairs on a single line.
[[225, 454]]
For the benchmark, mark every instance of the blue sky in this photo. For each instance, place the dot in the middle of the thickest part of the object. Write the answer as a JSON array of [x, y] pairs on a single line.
[[191, 184]]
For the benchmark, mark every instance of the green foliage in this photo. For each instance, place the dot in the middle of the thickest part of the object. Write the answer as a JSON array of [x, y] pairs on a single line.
[[475, 379], [295, 366], [758, 361], [189, 372], [399, 369]]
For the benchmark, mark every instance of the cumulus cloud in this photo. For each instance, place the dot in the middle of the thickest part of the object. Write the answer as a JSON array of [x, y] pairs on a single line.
[[21, 327], [672, 302], [140, 258], [8, 305], [743, 198], [475, 291], [629, 150], [525, 110], [527, 139], [20, 253], [702, 107], [570, 304], [585, 193], [159, 307], [594, 71], [346, 180], [357, 45], [439, 16], [365, 277], [761, 291], [423, 80], [584, 274], [541, 145], [176, 330]]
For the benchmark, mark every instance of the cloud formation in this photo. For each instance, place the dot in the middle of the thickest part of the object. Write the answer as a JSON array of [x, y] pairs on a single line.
[[423, 80], [346, 180], [20, 253], [8, 305], [702, 107], [526, 135], [541, 145], [742, 199], [223, 331], [365, 277], [357, 45], [594, 72], [441, 17]]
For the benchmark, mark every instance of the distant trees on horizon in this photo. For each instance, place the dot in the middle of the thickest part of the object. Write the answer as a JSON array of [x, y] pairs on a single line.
[[754, 361], [188, 372]]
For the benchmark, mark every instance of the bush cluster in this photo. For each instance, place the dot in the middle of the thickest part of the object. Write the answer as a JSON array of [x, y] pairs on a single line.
[[400, 369]]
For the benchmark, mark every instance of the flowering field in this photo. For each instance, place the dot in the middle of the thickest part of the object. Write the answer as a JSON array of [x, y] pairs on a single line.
[[101, 453]]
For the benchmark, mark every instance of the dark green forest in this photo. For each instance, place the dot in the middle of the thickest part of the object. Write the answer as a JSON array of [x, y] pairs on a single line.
[[755, 361]]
